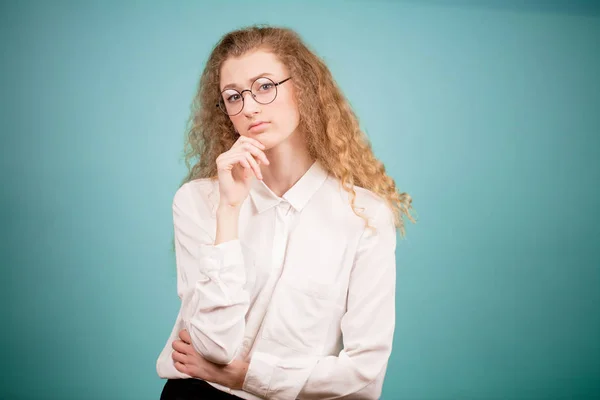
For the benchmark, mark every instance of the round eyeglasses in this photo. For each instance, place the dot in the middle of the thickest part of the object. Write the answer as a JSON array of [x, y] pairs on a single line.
[[263, 91]]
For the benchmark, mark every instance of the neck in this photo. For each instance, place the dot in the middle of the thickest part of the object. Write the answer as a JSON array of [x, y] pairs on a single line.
[[289, 161]]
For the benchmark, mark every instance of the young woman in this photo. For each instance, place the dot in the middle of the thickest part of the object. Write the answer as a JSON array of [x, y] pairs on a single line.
[[285, 234]]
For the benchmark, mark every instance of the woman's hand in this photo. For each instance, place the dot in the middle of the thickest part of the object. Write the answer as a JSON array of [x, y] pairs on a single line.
[[188, 361], [236, 167]]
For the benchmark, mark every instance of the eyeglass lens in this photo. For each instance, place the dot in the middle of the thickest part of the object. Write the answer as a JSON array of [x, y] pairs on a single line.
[[263, 90]]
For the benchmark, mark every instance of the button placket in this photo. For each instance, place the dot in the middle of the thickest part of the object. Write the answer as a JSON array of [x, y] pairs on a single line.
[[280, 238], [280, 234]]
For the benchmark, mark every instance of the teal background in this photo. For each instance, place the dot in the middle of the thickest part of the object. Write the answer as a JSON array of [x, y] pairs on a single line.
[[487, 113]]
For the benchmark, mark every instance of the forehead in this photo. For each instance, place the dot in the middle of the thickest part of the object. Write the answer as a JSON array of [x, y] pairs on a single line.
[[241, 71]]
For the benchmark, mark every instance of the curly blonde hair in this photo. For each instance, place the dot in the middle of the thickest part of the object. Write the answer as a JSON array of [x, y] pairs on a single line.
[[330, 125]]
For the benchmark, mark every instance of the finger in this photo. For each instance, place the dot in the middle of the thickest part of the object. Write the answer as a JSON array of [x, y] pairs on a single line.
[[254, 166], [243, 139], [185, 336], [181, 368], [257, 153], [242, 161], [182, 347], [229, 161], [179, 357]]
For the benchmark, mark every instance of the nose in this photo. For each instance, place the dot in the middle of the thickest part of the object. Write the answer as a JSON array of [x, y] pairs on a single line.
[[251, 106]]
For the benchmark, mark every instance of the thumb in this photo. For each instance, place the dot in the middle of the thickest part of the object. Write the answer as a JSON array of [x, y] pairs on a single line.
[[185, 336]]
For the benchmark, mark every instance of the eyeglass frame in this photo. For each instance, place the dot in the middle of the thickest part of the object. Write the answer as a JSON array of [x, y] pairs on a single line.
[[252, 94]]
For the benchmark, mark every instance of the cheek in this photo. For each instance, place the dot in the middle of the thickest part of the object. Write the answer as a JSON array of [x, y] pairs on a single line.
[[287, 116], [239, 123]]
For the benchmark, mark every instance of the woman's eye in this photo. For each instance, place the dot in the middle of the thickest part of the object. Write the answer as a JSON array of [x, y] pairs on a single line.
[[233, 97], [266, 86]]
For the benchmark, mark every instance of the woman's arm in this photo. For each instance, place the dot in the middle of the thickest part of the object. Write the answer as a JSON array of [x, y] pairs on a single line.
[[210, 281], [368, 328], [189, 362]]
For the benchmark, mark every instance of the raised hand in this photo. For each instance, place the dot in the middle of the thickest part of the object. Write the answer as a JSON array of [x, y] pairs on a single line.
[[236, 167]]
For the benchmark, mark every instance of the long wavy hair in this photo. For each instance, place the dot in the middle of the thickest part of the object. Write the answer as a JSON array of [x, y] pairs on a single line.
[[330, 126]]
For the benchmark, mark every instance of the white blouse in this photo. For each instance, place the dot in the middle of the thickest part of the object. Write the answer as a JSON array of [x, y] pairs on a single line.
[[306, 294]]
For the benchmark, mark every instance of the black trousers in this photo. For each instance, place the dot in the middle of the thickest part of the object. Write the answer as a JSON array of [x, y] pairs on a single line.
[[192, 389]]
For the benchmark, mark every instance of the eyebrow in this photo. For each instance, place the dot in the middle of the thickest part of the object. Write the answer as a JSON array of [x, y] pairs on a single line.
[[233, 85]]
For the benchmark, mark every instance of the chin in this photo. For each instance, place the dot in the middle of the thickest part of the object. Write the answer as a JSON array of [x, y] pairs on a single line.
[[269, 143], [265, 138]]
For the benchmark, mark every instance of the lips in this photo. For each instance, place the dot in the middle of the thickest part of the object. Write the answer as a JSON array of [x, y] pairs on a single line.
[[258, 125]]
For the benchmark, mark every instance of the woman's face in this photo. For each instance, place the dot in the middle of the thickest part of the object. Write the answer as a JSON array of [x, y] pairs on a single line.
[[278, 119]]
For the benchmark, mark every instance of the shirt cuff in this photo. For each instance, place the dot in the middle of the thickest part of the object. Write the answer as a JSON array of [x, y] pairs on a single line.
[[258, 376], [270, 377]]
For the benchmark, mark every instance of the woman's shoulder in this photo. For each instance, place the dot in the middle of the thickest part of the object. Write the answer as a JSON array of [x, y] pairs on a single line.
[[366, 201], [364, 198], [200, 194]]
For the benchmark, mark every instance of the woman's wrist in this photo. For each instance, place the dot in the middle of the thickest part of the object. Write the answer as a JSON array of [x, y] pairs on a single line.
[[236, 372], [228, 209], [227, 223]]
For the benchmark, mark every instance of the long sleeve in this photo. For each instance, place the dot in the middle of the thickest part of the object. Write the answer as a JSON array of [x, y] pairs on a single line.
[[358, 371], [210, 283]]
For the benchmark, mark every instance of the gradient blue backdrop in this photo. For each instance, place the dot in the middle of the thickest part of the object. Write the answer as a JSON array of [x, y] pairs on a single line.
[[487, 113]]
